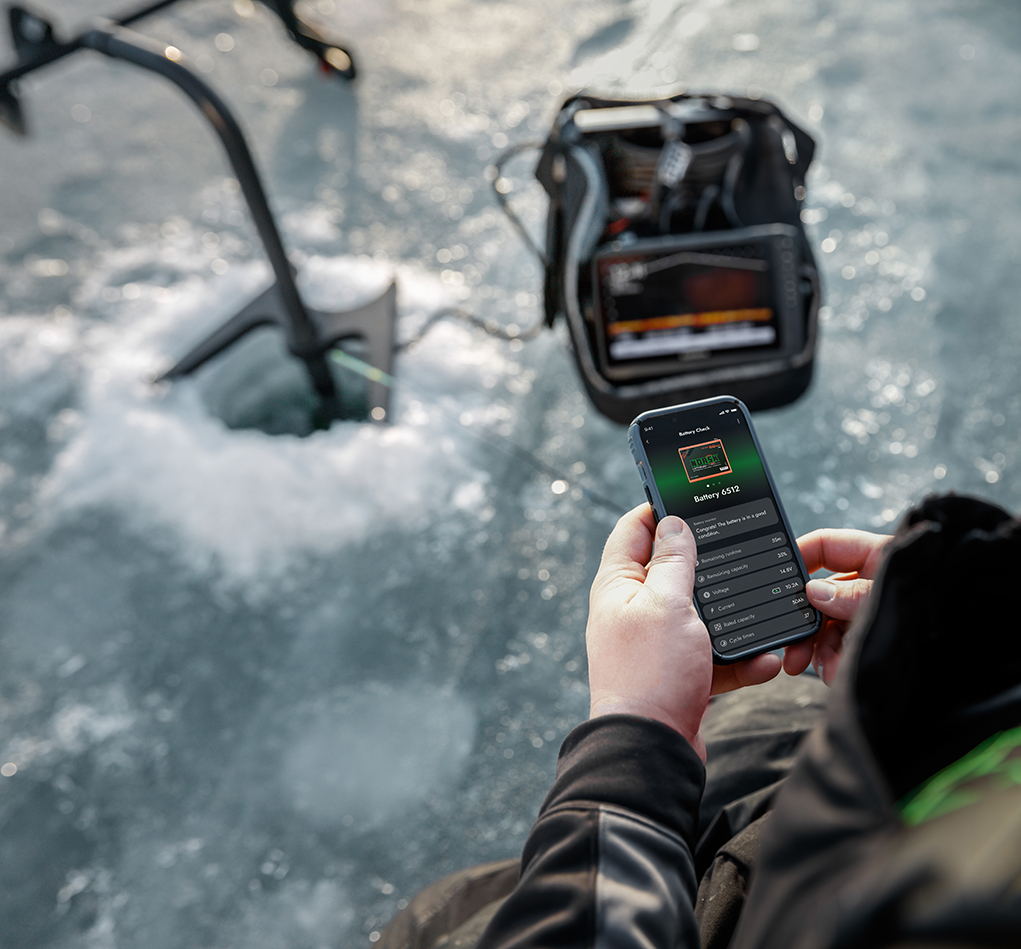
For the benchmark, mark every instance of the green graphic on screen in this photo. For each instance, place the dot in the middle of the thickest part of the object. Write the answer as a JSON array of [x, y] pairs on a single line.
[[704, 461]]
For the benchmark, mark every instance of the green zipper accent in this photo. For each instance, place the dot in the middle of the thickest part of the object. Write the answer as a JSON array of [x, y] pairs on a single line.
[[947, 790]]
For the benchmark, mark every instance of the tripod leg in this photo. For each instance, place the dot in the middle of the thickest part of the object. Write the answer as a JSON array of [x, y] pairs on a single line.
[[265, 310], [333, 57]]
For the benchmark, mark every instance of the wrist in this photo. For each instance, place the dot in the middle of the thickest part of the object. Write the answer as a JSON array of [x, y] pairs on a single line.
[[688, 726]]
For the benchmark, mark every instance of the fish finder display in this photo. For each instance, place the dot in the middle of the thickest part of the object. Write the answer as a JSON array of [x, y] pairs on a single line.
[[684, 303], [749, 584], [694, 301]]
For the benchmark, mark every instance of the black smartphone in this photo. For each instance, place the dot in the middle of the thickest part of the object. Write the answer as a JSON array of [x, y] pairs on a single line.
[[702, 462]]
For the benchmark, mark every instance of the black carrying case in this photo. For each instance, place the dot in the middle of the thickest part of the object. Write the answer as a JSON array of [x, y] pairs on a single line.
[[577, 171]]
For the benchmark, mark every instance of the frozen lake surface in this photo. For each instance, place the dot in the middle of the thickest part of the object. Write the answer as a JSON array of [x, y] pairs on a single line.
[[260, 689]]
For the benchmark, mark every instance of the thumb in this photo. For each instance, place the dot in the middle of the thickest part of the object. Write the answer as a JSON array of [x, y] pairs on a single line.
[[671, 571], [838, 599]]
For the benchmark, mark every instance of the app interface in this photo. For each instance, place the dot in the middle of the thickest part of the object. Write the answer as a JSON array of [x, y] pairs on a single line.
[[748, 585]]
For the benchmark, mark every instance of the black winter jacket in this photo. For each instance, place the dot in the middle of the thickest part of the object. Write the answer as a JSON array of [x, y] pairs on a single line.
[[930, 672]]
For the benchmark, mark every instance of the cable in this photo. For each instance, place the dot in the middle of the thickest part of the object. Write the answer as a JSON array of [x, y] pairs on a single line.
[[491, 326], [705, 202], [499, 442], [732, 173], [504, 203]]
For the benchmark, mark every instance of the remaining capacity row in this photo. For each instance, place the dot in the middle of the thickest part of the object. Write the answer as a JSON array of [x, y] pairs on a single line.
[[728, 562], [772, 576]]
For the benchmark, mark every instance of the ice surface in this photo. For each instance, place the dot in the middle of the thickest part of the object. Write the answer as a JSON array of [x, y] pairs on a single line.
[[409, 744], [259, 689]]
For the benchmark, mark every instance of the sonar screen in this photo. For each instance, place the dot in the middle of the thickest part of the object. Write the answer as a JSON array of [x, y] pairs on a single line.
[[664, 304]]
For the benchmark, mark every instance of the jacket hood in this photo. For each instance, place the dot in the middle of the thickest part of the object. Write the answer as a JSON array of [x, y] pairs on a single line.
[[930, 671]]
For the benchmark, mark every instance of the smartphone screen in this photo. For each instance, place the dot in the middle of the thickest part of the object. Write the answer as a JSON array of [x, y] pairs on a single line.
[[702, 462]]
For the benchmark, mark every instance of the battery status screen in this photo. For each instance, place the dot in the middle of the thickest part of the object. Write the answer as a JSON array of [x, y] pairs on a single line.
[[748, 584]]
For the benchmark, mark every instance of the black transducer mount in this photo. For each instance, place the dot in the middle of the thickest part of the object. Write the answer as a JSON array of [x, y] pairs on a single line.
[[310, 334]]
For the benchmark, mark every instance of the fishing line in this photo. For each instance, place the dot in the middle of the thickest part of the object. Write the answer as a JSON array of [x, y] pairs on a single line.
[[501, 442]]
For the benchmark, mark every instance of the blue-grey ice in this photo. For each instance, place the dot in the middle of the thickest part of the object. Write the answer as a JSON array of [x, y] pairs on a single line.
[[256, 690]]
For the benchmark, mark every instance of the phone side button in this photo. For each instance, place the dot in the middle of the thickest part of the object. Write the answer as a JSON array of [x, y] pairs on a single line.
[[648, 494]]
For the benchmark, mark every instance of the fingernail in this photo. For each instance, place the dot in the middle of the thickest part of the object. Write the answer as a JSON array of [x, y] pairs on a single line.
[[821, 590], [670, 525]]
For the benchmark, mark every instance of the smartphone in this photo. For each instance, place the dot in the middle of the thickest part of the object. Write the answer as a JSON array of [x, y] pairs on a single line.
[[702, 462]]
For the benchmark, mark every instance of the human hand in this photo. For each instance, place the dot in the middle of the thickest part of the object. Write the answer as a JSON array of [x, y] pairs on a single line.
[[857, 556], [649, 653]]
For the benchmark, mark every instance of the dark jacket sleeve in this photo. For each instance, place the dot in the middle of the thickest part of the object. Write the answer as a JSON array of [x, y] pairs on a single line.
[[608, 862]]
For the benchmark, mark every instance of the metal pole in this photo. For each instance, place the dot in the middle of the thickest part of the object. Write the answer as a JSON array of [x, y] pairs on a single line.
[[50, 52], [119, 43]]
